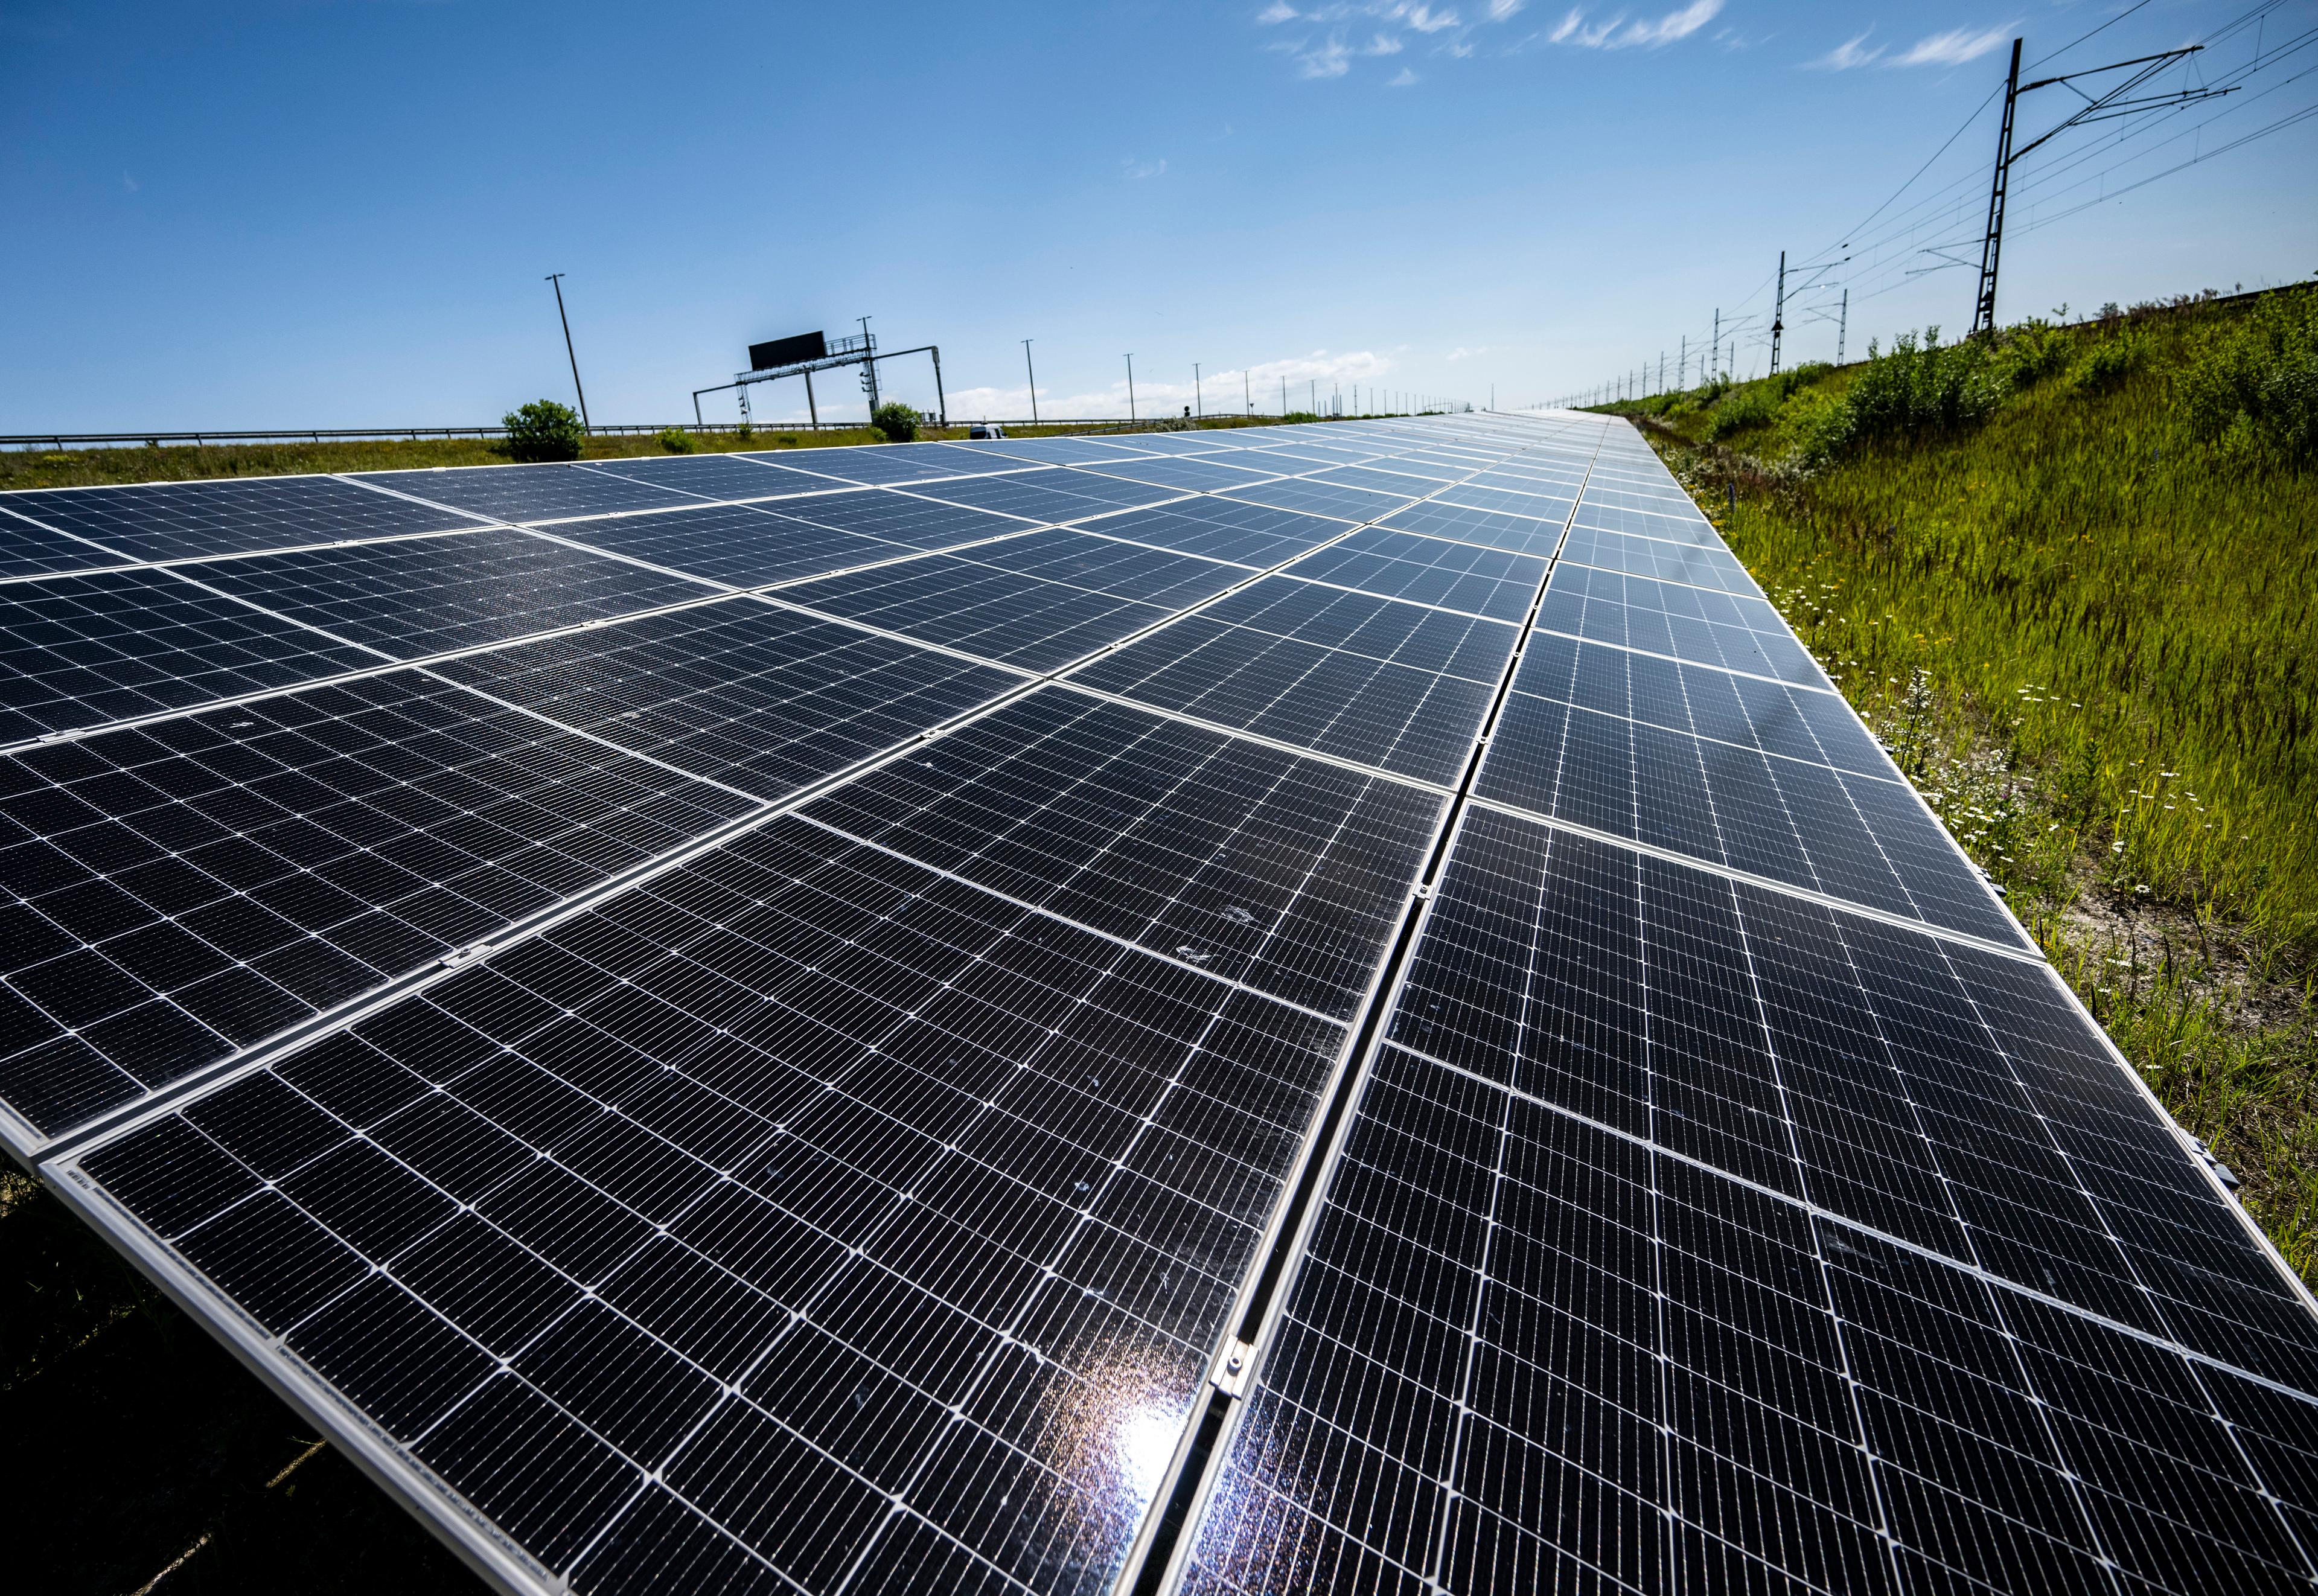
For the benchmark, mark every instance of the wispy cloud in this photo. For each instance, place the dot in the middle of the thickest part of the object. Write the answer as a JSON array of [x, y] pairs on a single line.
[[1402, 80], [1391, 27], [1615, 32], [1134, 170], [1954, 48], [131, 183], [1852, 52], [1461, 353]]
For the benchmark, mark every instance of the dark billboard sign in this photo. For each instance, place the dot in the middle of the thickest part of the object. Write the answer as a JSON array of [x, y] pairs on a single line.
[[787, 351]]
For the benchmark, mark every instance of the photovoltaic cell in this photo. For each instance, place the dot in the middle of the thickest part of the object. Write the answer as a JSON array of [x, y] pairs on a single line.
[[425, 595], [79, 651], [991, 613], [736, 544], [27, 549], [1390, 717], [1686, 623], [743, 692], [862, 1203], [1518, 535], [1063, 494], [525, 494], [899, 518], [1222, 529], [726, 476], [194, 520], [1104, 565], [1284, 874], [1428, 570], [1664, 1251], [184, 888], [908, 1217]]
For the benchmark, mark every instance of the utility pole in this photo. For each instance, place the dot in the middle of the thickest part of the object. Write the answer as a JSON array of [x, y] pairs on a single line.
[[1842, 325], [1661, 371], [1199, 404], [2093, 110], [1034, 381], [1779, 313], [1991, 244], [1715, 360], [1130, 385], [1247, 390], [1283, 396], [557, 279], [1682, 364], [869, 365]]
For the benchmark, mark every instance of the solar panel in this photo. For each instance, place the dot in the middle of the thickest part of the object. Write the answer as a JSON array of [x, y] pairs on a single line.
[[1283, 1038]]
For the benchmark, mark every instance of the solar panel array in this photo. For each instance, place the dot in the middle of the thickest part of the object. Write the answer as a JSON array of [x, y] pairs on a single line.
[[1308, 1007]]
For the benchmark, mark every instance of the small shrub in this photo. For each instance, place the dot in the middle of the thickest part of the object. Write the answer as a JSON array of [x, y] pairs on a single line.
[[2107, 363], [676, 440], [1920, 387], [2256, 383], [544, 430], [1736, 413], [897, 421], [2031, 352]]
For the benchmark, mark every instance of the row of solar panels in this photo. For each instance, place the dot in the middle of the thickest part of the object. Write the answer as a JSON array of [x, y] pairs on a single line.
[[785, 1042]]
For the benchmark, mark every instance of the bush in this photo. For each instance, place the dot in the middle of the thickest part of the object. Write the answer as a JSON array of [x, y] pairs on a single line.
[[2106, 363], [1736, 413], [2258, 380], [897, 421], [2030, 353], [676, 440], [544, 430], [1920, 387]]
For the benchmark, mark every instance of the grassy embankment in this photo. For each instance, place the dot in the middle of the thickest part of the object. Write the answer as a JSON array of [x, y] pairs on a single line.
[[2071, 577], [84, 468]]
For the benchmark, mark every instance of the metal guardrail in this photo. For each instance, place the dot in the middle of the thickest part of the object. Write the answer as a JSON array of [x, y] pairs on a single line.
[[307, 434]]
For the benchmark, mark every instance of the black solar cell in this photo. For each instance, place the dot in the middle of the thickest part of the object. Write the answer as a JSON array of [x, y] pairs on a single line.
[[907, 1217], [737, 544], [194, 520], [1724, 1196], [1285, 875], [525, 493], [991, 613], [1429, 570], [79, 651], [193, 886], [427, 596], [758, 698], [1222, 529]]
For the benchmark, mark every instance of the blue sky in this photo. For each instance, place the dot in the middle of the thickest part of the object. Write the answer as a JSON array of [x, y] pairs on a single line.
[[340, 215]]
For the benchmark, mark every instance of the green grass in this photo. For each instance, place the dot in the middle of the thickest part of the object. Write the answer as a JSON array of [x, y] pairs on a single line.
[[2087, 619], [85, 467]]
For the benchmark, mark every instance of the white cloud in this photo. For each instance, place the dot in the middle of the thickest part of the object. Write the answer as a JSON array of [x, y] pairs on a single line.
[[1403, 80], [1617, 33], [1423, 19], [1461, 353], [1500, 9], [1278, 11], [1383, 44], [1333, 59], [1852, 52], [1955, 47], [1136, 170], [131, 183]]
